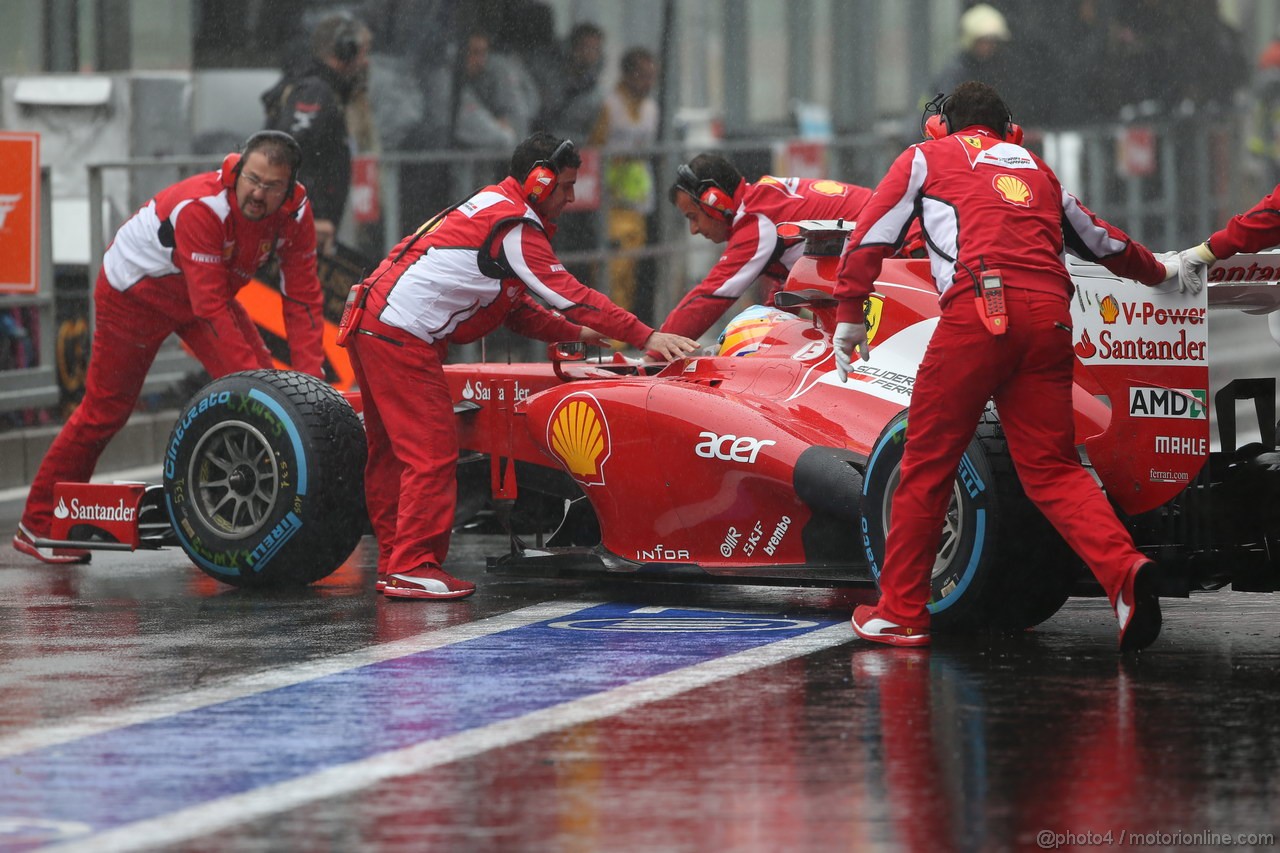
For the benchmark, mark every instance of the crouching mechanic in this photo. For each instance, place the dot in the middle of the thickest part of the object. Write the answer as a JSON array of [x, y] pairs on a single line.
[[468, 270], [993, 211], [725, 208], [175, 268]]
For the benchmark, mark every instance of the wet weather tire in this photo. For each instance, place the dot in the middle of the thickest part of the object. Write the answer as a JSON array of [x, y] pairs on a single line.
[[263, 479], [1000, 563]]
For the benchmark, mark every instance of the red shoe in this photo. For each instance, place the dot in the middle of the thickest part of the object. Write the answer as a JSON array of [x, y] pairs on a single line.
[[24, 541], [1138, 608], [870, 625], [380, 584], [426, 582]]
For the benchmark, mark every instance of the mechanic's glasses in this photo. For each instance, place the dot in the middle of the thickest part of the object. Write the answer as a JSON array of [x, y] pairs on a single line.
[[274, 189]]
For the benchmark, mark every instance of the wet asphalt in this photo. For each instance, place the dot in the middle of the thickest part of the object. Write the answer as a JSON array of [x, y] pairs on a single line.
[[144, 705]]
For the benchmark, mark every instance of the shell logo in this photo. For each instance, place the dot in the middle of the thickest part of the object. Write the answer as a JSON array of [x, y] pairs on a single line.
[[578, 435], [827, 187], [871, 309], [1013, 189], [1109, 309]]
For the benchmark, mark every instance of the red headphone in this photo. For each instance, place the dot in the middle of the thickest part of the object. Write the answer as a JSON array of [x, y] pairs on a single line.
[[708, 194], [936, 124], [543, 176]]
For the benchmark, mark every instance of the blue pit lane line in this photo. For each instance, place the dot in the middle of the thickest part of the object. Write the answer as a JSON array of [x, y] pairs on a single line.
[[179, 762]]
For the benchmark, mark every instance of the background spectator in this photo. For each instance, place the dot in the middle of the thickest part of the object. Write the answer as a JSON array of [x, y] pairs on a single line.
[[984, 54], [572, 110], [629, 122], [310, 103]]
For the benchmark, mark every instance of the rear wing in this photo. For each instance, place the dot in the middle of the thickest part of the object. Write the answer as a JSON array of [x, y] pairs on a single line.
[[1248, 283]]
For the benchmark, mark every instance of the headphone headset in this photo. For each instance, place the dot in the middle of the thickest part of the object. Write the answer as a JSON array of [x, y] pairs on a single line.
[[234, 162], [707, 193], [540, 182], [935, 123], [346, 39]]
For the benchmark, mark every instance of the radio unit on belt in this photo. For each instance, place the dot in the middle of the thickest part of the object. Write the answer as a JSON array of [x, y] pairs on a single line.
[[990, 302]]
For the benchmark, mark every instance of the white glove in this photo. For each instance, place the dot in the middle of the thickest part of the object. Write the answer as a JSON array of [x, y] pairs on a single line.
[[1193, 268], [849, 337]]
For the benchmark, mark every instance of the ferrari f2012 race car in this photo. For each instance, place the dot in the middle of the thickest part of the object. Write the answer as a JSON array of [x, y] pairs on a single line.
[[755, 464]]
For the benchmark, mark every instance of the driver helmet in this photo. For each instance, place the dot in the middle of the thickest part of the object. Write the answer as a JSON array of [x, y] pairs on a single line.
[[743, 334]]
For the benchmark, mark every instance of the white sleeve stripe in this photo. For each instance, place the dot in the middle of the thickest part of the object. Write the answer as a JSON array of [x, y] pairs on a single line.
[[737, 284], [890, 227], [514, 249], [1093, 236]]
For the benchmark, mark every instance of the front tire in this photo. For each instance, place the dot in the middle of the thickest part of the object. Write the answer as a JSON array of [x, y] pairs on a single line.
[[1000, 564], [263, 479]]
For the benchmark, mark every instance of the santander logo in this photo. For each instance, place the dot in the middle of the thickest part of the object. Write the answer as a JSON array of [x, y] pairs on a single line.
[[118, 511]]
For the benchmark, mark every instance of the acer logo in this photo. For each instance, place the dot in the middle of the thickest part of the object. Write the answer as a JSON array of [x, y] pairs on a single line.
[[730, 448]]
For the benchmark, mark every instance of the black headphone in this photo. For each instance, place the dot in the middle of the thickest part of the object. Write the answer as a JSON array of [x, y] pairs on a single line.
[[540, 181], [233, 163], [346, 39], [708, 193], [935, 122]]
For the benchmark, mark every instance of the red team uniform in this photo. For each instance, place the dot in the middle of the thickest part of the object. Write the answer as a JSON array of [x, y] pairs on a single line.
[[987, 204], [470, 272], [174, 268], [755, 249]]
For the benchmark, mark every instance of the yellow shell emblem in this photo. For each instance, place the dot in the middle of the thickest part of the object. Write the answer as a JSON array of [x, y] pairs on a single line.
[[1109, 309], [579, 436], [1013, 190], [829, 187]]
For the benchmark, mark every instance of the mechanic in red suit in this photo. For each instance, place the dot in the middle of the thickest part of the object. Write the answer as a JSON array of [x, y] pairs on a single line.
[[175, 268], [473, 267], [1252, 231], [990, 208], [725, 208]]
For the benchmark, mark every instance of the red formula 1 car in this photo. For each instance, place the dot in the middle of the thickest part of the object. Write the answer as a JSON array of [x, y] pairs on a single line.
[[757, 465]]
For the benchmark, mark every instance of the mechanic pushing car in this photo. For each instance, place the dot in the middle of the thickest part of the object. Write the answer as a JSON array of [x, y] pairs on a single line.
[[466, 271], [724, 207], [1256, 229], [996, 222], [175, 267]]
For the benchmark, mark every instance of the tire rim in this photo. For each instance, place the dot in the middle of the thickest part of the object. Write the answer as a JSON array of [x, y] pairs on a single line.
[[952, 526], [235, 479]]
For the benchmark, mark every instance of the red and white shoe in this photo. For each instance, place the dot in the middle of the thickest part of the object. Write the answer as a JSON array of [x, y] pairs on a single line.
[[24, 541], [870, 625], [381, 583], [426, 582], [1138, 607]]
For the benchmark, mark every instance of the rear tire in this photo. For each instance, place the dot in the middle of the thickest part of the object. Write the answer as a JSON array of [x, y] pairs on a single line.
[[263, 479], [1000, 563]]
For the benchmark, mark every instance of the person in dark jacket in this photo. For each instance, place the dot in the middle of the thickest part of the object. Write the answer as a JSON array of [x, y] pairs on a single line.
[[310, 103]]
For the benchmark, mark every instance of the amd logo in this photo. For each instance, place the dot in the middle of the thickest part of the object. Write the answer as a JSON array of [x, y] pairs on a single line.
[[730, 448], [1190, 403]]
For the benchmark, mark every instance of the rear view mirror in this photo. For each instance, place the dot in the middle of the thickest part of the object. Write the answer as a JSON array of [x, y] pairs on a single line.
[[567, 351]]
